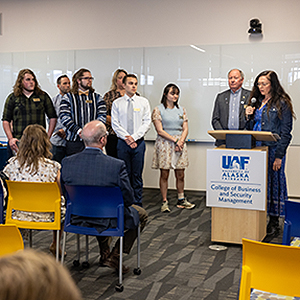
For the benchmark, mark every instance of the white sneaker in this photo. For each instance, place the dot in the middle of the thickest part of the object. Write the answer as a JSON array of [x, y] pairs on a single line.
[[185, 204], [165, 207]]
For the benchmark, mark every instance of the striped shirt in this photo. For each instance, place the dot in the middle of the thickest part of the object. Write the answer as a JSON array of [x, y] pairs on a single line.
[[77, 110]]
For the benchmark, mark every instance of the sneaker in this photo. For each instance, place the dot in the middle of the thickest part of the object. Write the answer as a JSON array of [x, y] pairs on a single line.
[[185, 204], [165, 207]]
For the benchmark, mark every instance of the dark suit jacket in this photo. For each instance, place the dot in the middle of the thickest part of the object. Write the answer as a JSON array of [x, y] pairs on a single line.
[[92, 167], [221, 111]]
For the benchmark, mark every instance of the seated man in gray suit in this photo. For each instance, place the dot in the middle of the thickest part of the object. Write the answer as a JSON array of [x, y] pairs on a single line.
[[93, 167], [229, 109]]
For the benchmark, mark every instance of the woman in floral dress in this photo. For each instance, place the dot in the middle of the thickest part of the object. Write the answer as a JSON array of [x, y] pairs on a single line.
[[170, 151]]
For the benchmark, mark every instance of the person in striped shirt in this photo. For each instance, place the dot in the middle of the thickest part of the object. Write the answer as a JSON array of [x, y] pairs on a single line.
[[78, 108]]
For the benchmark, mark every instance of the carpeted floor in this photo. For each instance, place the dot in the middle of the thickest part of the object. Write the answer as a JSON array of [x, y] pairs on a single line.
[[176, 261]]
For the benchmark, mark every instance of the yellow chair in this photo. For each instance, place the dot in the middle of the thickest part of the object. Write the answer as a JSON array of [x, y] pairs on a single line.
[[34, 197], [270, 268], [10, 239]]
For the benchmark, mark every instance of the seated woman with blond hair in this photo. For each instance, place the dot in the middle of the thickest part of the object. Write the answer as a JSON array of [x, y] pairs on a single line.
[[33, 163]]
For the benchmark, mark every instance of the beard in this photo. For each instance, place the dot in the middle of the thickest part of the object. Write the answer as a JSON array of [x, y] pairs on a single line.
[[85, 87]]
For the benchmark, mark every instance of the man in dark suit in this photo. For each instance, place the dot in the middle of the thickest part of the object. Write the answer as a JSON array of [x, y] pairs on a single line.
[[229, 108], [93, 167]]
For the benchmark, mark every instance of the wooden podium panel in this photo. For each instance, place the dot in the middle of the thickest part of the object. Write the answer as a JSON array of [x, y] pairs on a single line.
[[230, 225]]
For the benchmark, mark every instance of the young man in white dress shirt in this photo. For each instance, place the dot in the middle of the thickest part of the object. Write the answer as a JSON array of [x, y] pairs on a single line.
[[131, 119]]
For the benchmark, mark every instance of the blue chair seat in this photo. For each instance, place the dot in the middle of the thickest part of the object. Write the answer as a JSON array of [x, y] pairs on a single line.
[[291, 222], [96, 202]]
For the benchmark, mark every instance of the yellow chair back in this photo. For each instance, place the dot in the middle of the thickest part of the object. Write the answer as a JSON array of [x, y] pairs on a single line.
[[270, 268], [34, 197], [10, 239]]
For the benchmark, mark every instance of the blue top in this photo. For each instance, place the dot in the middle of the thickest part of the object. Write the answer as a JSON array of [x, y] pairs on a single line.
[[271, 121], [172, 119]]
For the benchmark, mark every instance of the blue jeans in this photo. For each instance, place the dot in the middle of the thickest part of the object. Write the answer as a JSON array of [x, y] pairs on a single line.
[[134, 160]]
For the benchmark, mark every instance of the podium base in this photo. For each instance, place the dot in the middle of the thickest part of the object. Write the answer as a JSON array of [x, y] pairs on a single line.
[[240, 141]]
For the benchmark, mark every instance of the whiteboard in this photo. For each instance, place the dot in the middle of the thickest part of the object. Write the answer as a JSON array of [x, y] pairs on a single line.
[[200, 72]]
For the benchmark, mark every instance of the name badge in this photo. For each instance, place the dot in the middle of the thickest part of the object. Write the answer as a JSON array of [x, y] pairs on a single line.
[[88, 101], [136, 109], [36, 99]]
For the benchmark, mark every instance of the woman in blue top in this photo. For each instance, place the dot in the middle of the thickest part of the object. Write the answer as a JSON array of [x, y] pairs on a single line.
[[273, 111], [171, 124]]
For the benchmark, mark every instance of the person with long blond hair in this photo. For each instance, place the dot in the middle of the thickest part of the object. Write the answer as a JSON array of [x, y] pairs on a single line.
[[28, 104], [116, 91], [33, 275], [33, 163]]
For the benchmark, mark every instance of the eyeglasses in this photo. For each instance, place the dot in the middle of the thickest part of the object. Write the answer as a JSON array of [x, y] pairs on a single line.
[[87, 78], [106, 134], [262, 84]]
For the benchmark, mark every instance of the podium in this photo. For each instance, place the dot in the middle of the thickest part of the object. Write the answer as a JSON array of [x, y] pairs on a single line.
[[237, 186]]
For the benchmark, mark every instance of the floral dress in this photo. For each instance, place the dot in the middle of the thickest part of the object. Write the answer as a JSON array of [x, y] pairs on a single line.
[[47, 172], [164, 150]]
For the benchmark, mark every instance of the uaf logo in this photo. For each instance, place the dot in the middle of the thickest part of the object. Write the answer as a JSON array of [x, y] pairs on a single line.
[[235, 162]]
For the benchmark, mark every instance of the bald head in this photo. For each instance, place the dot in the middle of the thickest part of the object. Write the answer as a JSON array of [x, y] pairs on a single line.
[[92, 133]]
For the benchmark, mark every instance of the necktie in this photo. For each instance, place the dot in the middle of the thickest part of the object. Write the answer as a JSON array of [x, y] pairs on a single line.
[[130, 117]]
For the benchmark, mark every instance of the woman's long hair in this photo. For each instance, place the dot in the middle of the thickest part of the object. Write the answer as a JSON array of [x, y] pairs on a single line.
[[18, 87], [277, 94], [113, 86], [34, 145], [175, 89]]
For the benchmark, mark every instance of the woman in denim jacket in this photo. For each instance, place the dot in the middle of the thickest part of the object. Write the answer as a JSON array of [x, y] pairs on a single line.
[[272, 111]]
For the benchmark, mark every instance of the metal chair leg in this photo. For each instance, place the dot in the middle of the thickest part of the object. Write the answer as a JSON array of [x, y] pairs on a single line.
[[119, 287], [76, 262], [137, 270], [57, 245], [86, 263]]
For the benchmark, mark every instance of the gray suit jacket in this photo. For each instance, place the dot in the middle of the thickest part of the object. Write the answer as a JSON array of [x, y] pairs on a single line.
[[92, 167], [221, 111]]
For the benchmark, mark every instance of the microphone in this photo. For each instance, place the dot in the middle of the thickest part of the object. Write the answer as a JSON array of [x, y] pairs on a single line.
[[253, 101], [252, 104]]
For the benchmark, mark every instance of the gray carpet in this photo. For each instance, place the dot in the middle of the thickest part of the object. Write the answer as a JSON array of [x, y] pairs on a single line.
[[176, 261]]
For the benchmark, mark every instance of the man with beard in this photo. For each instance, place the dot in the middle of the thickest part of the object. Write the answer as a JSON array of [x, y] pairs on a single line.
[[27, 105], [78, 108]]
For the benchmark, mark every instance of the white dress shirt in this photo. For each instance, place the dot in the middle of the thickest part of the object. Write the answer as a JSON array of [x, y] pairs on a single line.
[[141, 116]]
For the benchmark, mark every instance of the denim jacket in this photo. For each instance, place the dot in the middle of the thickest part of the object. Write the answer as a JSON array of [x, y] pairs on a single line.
[[282, 126]]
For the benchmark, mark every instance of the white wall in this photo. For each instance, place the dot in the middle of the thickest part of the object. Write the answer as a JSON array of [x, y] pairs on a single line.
[[33, 25], [86, 24]]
